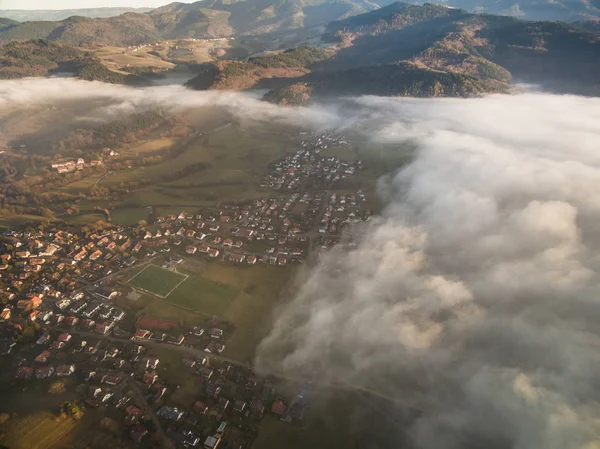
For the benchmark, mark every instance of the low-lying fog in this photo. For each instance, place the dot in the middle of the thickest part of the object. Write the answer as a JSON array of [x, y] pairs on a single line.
[[475, 297]]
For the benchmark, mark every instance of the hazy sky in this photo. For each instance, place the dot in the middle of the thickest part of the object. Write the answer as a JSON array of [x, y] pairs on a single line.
[[70, 4]]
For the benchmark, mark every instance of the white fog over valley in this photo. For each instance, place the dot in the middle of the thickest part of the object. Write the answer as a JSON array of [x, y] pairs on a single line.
[[473, 297]]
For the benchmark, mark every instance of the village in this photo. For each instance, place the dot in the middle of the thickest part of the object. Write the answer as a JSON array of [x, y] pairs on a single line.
[[61, 317]]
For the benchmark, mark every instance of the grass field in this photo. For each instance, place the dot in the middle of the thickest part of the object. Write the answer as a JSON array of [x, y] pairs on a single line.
[[204, 296], [156, 280]]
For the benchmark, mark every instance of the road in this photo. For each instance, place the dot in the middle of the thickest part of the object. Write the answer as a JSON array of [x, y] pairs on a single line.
[[100, 179], [152, 344]]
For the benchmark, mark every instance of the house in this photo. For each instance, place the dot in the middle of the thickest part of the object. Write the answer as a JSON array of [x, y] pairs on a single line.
[[105, 396], [200, 407], [133, 412], [137, 433], [191, 250], [65, 370], [186, 437], [44, 373], [170, 413], [65, 338], [159, 391], [278, 408], [149, 378], [105, 328], [24, 372], [216, 333], [120, 400], [223, 404], [212, 390], [57, 345], [141, 334], [239, 406], [43, 357], [214, 346], [89, 375], [212, 442], [251, 260], [237, 258], [111, 379], [150, 362], [188, 363], [29, 304], [107, 293], [6, 312], [44, 338], [213, 252], [176, 340], [206, 372], [257, 408]]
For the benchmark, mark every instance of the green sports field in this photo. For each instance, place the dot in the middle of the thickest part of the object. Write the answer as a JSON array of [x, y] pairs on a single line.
[[203, 295], [156, 280]]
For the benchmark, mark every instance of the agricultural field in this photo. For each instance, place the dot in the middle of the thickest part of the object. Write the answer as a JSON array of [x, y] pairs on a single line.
[[157, 281], [40, 430]]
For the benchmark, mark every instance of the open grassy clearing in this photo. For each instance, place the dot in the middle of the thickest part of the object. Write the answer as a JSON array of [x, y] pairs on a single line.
[[251, 312], [128, 216], [18, 219], [150, 146], [85, 218], [156, 280], [203, 296], [121, 57], [234, 158]]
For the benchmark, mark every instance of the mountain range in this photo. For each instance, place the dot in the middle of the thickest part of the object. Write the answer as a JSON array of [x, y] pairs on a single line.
[[25, 15], [204, 19], [221, 18], [429, 50]]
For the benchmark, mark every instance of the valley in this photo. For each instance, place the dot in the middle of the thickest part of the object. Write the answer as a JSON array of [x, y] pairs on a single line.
[[333, 224]]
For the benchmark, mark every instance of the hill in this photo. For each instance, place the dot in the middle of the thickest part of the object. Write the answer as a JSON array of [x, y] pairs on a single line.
[[209, 18], [41, 57], [24, 15], [428, 50]]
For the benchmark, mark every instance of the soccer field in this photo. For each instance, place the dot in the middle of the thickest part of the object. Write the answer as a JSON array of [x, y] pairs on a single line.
[[203, 295], [156, 280]]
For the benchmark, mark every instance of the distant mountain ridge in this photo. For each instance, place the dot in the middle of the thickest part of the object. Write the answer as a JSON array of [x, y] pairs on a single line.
[[25, 15], [429, 50], [209, 18]]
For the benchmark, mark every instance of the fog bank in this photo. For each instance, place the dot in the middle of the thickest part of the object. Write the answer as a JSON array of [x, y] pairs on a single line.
[[474, 297]]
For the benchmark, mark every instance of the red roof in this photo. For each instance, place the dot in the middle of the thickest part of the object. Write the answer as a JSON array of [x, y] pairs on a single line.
[[278, 408], [155, 323]]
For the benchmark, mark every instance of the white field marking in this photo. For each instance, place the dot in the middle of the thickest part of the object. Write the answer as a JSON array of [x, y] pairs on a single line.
[[185, 277], [175, 288]]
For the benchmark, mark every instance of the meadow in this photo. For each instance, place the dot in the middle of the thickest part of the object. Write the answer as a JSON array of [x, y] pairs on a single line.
[[203, 296]]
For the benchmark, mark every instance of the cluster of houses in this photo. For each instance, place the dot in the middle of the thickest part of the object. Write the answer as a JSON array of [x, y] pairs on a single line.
[[307, 169], [237, 234], [72, 165], [123, 377]]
